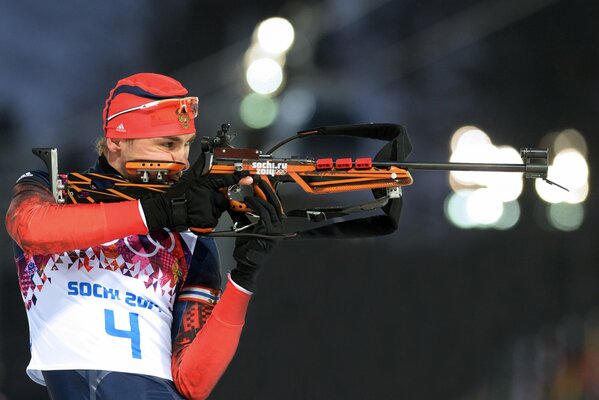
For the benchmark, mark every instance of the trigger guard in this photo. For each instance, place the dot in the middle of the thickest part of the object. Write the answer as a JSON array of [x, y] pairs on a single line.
[[238, 192]]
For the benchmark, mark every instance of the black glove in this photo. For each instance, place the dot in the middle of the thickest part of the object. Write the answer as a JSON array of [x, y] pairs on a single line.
[[194, 201], [251, 253]]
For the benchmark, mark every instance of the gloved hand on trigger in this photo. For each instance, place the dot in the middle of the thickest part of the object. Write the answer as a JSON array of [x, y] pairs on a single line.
[[251, 253], [194, 201]]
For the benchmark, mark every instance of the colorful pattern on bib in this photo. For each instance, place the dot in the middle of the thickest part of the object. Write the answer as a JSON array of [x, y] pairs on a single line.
[[160, 260]]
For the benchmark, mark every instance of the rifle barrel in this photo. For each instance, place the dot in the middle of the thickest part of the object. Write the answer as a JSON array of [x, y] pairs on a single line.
[[449, 166], [452, 166]]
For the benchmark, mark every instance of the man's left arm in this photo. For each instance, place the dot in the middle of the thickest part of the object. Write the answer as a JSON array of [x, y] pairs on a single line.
[[209, 329], [207, 340]]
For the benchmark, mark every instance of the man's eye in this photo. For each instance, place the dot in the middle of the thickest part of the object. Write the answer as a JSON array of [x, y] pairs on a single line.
[[168, 145]]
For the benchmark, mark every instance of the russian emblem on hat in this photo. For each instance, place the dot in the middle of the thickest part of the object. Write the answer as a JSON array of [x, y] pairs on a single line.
[[184, 120]]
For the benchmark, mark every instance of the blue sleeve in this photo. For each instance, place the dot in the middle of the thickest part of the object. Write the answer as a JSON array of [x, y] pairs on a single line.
[[35, 177], [204, 270], [204, 267]]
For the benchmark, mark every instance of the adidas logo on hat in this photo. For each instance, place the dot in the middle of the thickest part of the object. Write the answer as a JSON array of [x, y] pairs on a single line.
[[121, 128]]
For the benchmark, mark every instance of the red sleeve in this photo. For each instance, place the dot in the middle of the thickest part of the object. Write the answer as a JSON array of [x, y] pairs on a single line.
[[40, 226], [205, 345]]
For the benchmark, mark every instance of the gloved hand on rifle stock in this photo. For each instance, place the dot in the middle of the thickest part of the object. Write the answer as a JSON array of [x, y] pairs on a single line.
[[194, 201]]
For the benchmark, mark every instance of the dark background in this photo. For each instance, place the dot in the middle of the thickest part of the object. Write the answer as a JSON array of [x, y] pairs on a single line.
[[429, 312]]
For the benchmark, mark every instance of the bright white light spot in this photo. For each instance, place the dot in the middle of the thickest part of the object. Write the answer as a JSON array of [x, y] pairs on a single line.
[[471, 145], [508, 155], [298, 106], [473, 138], [275, 35], [481, 153], [510, 216], [578, 195], [571, 170], [570, 139], [565, 217], [507, 186], [570, 166], [255, 52], [553, 194], [455, 209], [258, 111], [468, 136], [484, 207], [549, 193], [264, 76], [454, 184]]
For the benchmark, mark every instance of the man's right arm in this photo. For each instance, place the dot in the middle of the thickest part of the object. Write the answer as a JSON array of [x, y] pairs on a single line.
[[40, 226]]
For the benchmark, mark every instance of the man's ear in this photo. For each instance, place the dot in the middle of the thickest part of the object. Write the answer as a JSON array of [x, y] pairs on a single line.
[[113, 145]]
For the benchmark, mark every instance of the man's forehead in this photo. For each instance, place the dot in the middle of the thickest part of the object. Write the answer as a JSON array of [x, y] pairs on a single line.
[[178, 138]]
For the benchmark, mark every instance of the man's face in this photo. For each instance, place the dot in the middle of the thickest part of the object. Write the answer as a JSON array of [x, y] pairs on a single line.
[[168, 148]]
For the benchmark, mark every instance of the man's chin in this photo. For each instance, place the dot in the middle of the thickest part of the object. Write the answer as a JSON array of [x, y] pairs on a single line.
[[174, 178]]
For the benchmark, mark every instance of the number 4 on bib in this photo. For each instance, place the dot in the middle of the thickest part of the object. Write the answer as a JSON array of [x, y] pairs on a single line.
[[132, 334]]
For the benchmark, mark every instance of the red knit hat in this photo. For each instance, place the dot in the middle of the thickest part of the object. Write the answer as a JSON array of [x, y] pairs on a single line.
[[148, 105]]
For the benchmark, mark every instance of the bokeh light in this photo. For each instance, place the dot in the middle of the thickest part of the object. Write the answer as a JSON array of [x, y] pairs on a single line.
[[456, 211], [483, 199], [565, 217], [298, 105], [570, 139], [571, 165], [571, 170], [258, 111], [474, 146], [255, 52], [264, 76], [480, 153], [275, 35], [484, 207], [510, 216], [468, 136], [507, 186], [554, 194]]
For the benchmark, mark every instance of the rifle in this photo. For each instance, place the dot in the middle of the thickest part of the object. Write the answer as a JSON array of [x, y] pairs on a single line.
[[383, 175]]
